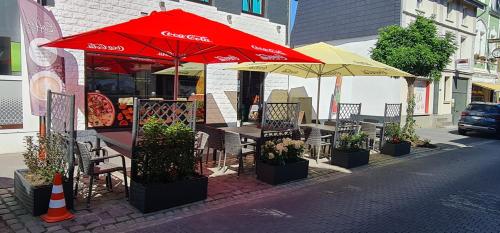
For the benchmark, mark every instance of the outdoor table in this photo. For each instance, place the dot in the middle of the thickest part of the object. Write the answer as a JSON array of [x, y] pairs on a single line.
[[120, 141]]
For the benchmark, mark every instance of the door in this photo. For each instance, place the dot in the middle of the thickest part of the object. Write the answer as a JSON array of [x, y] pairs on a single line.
[[250, 98], [459, 95]]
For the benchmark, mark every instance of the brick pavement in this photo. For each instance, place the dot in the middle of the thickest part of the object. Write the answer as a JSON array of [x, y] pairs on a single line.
[[110, 210]]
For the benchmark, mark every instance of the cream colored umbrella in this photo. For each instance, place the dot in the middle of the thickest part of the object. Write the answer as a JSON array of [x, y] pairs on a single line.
[[186, 69], [337, 62]]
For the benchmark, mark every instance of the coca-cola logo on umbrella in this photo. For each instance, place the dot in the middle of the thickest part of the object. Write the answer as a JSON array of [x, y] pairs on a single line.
[[106, 47], [227, 58], [268, 50], [183, 36], [276, 57]]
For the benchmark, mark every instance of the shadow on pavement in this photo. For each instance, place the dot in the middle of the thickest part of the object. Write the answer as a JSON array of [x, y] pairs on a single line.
[[6, 182]]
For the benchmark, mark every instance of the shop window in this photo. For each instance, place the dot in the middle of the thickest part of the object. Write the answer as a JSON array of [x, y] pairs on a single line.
[[111, 84], [208, 2], [11, 104], [255, 7], [10, 38]]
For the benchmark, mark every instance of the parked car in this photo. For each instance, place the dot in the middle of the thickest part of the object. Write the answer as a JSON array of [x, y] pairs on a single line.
[[481, 117]]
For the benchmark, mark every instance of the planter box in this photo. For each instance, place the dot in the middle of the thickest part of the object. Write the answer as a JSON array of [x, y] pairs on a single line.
[[399, 149], [281, 174], [153, 197], [36, 198], [350, 159]]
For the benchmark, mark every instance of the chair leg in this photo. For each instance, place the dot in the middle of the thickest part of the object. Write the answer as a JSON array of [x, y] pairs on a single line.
[[91, 180], [240, 165], [125, 181], [214, 155], [76, 185], [208, 152], [201, 165], [110, 183]]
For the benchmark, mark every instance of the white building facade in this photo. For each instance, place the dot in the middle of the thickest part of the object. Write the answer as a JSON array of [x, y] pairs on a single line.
[[75, 16]]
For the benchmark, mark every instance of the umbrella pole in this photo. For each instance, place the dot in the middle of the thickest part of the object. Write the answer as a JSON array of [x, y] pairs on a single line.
[[176, 79], [317, 101]]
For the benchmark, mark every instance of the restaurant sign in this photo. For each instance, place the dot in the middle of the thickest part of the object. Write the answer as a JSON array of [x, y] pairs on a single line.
[[45, 65]]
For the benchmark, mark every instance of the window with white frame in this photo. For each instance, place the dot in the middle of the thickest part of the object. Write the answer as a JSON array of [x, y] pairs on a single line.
[[463, 50], [480, 39], [419, 4], [465, 14], [495, 5]]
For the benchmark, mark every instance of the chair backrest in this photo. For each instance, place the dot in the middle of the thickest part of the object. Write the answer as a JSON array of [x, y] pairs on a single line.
[[201, 140], [314, 137], [216, 137], [232, 143], [84, 158], [369, 129]]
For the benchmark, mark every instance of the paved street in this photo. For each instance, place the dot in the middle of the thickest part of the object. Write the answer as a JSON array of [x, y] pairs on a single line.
[[454, 191]]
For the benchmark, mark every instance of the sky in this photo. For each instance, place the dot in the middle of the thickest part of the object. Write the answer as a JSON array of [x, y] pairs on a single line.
[[293, 12]]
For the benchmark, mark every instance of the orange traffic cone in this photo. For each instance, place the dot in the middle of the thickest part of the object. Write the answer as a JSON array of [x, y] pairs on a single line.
[[57, 205]]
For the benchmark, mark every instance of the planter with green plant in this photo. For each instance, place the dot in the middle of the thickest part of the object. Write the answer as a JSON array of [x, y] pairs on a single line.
[[349, 152], [395, 144], [163, 173], [281, 161], [44, 157]]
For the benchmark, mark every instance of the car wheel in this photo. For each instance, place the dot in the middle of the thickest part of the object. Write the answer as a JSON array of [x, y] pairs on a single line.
[[462, 132]]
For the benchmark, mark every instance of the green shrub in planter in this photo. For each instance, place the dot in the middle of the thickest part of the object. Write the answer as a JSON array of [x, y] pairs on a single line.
[[395, 143], [44, 156], [349, 153], [164, 165]]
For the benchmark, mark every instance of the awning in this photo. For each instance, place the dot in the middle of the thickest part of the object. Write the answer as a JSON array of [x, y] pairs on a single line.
[[491, 86]]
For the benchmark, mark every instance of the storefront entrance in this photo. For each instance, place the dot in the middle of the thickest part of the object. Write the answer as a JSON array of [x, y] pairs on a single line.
[[250, 97], [459, 94]]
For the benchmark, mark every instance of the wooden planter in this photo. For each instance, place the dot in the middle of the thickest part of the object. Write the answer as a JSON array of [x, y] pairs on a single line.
[[274, 175], [347, 159], [398, 149], [153, 197], [36, 198]]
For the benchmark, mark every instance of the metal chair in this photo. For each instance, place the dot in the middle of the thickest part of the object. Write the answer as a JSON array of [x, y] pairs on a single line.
[[370, 129], [215, 140], [200, 145], [91, 165], [234, 146], [316, 142]]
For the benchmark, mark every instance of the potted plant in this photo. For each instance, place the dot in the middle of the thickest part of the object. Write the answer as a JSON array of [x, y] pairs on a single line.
[[395, 144], [349, 153], [163, 168], [281, 161], [44, 157]]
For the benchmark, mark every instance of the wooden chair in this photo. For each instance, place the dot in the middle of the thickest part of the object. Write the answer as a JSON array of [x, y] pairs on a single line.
[[91, 165], [200, 146], [234, 146]]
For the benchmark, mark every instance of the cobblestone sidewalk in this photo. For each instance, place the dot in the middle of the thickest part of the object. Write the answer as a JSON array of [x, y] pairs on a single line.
[[110, 210]]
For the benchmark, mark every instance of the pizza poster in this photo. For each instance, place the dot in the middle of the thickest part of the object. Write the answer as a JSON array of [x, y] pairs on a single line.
[[45, 65], [104, 112]]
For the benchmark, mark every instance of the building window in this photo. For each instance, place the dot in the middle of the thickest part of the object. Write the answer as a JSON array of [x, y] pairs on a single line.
[[254, 7], [480, 40], [495, 5], [10, 38], [447, 89], [449, 9], [419, 4], [465, 15], [463, 50], [208, 2]]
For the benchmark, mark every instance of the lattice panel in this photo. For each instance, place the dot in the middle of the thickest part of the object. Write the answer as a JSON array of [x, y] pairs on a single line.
[[61, 110], [169, 112], [280, 116], [347, 121], [60, 123], [392, 113], [11, 110]]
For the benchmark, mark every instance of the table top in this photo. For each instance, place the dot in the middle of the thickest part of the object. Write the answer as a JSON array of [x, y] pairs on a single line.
[[328, 128], [120, 141], [245, 131]]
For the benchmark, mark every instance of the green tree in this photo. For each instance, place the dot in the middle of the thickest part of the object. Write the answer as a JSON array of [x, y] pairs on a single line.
[[417, 49]]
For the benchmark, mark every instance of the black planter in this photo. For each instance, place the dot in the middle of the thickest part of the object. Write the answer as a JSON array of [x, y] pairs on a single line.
[[347, 159], [36, 198], [274, 175], [398, 149], [153, 197]]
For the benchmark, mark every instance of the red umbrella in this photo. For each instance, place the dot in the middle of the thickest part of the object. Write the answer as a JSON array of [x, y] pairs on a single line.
[[181, 37], [123, 64]]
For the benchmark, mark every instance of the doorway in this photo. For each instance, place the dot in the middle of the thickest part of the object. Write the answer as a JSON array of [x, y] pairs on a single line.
[[250, 97], [459, 95]]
